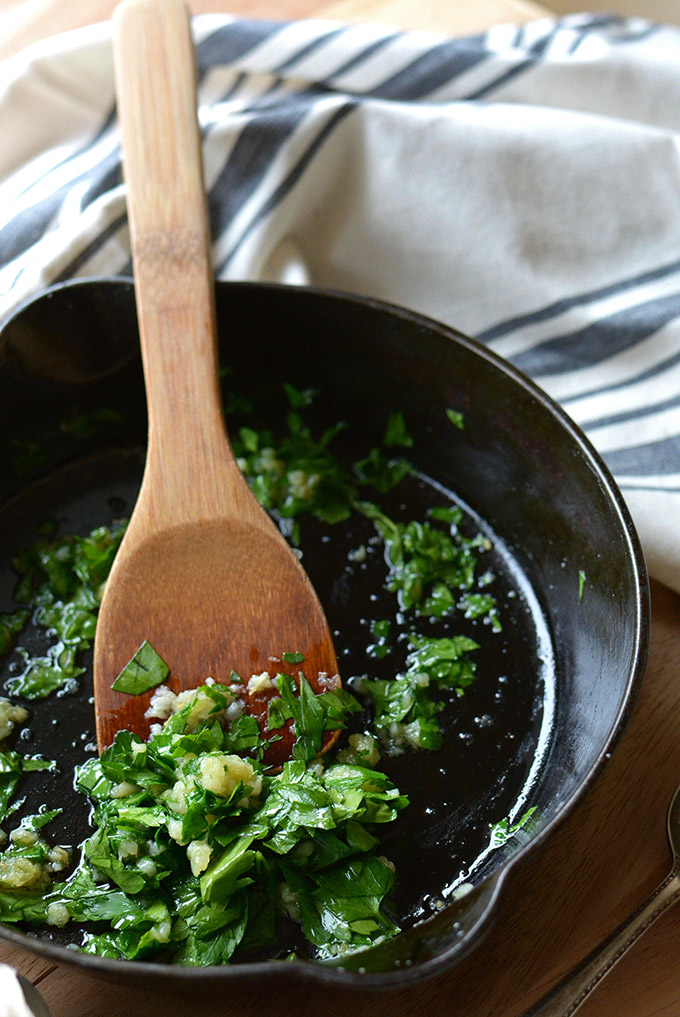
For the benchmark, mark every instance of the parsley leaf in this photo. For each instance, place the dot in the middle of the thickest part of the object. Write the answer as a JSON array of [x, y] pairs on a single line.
[[61, 582], [432, 571], [311, 714], [10, 626], [456, 418], [144, 671], [340, 908]]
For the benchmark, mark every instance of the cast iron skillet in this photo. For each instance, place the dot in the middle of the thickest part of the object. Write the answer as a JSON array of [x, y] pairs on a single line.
[[555, 688]]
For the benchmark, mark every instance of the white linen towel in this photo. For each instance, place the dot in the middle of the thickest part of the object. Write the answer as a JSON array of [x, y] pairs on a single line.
[[522, 185]]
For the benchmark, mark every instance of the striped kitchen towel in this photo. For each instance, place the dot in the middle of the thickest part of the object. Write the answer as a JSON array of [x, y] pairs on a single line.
[[522, 185]]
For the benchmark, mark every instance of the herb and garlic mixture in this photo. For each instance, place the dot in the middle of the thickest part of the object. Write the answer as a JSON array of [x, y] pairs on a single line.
[[198, 852], [197, 849]]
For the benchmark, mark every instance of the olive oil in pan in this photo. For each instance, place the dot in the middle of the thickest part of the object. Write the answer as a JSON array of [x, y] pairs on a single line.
[[495, 733]]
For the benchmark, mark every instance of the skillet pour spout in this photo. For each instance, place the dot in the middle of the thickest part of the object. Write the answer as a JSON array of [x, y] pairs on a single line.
[[456, 929], [568, 565]]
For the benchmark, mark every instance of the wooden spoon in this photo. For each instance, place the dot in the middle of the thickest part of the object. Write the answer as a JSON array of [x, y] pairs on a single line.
[[202, 574]]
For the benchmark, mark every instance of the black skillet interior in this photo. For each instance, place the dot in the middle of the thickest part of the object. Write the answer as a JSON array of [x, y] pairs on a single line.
[[555, 686]]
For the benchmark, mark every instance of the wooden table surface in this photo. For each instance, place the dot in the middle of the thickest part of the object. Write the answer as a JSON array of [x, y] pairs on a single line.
[[601, 863]]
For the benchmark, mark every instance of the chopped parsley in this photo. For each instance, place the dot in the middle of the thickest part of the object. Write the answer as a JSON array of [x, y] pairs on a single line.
[[505, 829], [456, 418], [405, 707], [311, 714], [301, 472], [396, 432], [433, 571], [197, 849], [293, 658], [83, 426], [10, 627], [143, 671], [61, 583], [12, 765], [380, 630]]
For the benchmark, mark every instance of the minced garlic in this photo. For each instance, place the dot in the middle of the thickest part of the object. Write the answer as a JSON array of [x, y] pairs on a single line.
[[199, 853], [9, 716], [17, 873], [221, 774], [260, 683]]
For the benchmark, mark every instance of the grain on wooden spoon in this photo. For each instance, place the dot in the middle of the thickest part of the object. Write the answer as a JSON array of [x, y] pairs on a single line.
[[202, 573]]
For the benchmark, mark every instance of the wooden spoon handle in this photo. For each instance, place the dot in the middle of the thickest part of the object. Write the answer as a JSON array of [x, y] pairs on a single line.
[[188, 457]]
